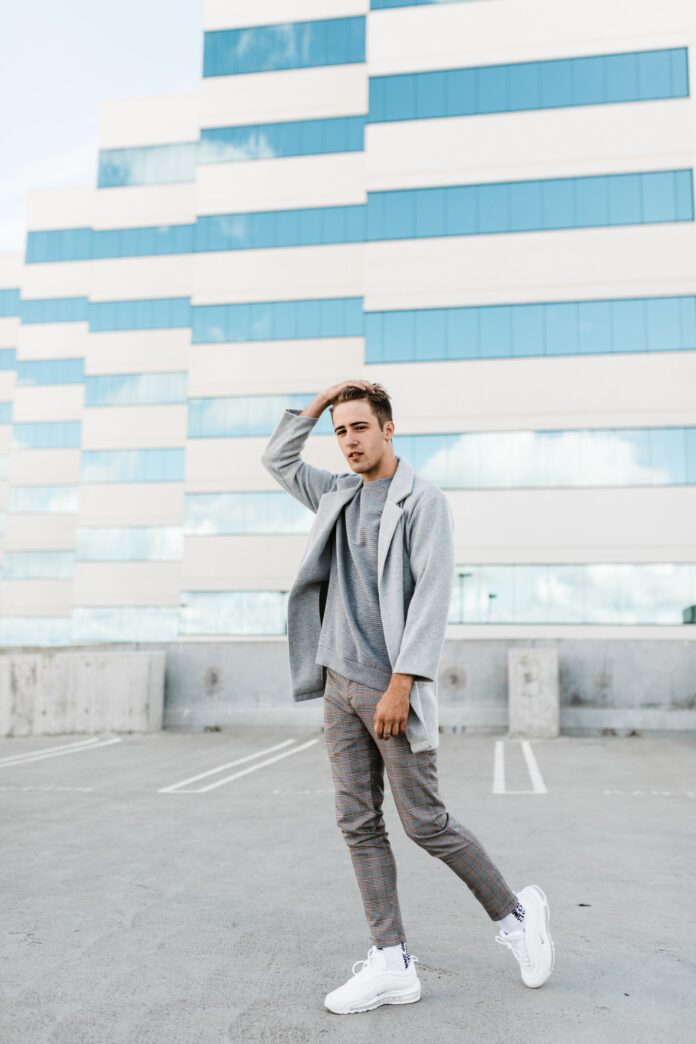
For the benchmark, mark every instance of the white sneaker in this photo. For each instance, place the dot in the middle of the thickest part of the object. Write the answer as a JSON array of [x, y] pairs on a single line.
[[532, 944], [375, 984]]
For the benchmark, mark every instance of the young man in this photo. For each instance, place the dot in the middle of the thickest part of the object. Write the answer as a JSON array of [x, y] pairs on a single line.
[[366, 626]]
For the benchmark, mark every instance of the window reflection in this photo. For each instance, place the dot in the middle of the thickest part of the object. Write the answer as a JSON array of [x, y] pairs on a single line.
[[9, 302], [54, 310], [6, 412], [7, 358], [233, 612], [148, 165], [295, 45], [129, 544], [485, 209], [153, 314], [209, 514], [274, 140], [556, 83], [33, 565], [145, 465], [50, 371], [246, 415], [125, 624], [278, 320], [35, 630], [555, 328], [280, 228], [35, 500], [46, 435], [135, 389], [596, 593], [554, 459]]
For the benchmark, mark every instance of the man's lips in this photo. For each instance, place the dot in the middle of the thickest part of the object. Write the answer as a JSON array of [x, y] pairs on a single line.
[[353, 456]]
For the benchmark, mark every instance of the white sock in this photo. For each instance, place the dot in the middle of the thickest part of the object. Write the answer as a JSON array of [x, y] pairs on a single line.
[[398, 957], [514, 921]]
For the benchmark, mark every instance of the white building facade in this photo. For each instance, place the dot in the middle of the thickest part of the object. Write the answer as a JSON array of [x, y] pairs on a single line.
[[486, 206]]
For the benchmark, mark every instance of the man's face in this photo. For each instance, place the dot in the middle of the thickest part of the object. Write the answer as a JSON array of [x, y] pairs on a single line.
[[358, 432]]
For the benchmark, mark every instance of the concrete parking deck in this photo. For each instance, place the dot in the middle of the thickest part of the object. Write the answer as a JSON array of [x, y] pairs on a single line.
[[191, 888]]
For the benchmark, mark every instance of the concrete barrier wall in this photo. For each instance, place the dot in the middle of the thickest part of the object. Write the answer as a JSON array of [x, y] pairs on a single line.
[[58, 691], [619, 685]]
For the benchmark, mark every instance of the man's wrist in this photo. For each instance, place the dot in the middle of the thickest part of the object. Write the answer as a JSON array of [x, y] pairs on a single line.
[[401, 682]]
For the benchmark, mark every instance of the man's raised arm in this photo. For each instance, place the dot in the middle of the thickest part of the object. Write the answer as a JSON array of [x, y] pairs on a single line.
[[282, 456]]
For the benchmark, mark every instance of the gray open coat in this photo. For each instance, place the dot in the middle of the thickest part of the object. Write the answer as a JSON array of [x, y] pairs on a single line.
[[415, 571]]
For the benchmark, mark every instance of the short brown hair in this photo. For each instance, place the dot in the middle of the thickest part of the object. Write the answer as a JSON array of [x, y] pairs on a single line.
[[378, 398]]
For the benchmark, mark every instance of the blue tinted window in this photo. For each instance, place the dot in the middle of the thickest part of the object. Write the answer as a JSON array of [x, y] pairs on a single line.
[[149, 623], [33, 565], [59, 500], [245, 415], [148, 165], [236, 513], [590, 593], [274, 140], [5, 412], [129, 544], [46, 435], [146, 465], [7, 358], [592, 80], [611, 199], [280, 228], [291, 45], [81, 244], [129, 389], [55, 310], [278, 320], [35, 630], [553, 328], [50, 371], [153, 314], [233, 612], [9, 303]]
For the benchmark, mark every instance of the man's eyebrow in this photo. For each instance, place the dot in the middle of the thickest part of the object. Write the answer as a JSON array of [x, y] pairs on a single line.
[[351, 425]]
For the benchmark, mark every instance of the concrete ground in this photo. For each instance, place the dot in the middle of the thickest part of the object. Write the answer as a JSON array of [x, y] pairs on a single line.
[[225, 907]]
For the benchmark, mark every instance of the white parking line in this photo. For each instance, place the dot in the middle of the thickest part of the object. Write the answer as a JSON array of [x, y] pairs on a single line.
[[221, 768], [54, 752], [535, 777], [177, 788]]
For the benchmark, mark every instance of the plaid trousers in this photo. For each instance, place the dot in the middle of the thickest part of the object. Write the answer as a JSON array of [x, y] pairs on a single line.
[[357, 759]]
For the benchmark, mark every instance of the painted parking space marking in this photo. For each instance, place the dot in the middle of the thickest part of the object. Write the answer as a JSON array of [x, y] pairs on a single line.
[[29, 757], [535, 777], [182, 788]]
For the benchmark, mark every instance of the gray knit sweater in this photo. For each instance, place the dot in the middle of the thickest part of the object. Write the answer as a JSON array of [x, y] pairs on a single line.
[[352, 639]]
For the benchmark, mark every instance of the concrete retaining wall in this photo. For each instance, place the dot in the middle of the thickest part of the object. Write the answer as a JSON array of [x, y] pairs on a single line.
[[55, 691], [604, 685]]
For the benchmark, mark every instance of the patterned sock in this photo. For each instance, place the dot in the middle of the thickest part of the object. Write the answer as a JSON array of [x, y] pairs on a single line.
[[397, 956], [514, 921]]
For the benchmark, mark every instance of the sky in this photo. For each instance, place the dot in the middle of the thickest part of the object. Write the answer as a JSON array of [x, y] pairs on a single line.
[[58, 62]]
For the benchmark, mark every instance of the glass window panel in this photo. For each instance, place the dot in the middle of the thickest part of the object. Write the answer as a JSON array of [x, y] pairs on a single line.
[[495, 332], [668, 452], [594, 327], [430, 94], [562, 329], [462, 210], [463, 340], [493, 205], [525, 86], [687, 315], [629, 326], [492, 89], [526, 206], [684, 195], [399, 215], [659, 202], [663, 325], [558, 203], [556, 84], [592, 202], [625, 199], [399, 336], [431, 333], [655, 74], [431, 214], [400, 96], [461, 92], [680, 72], [690, 454], [588, 86], [621, 74], [528, 330]]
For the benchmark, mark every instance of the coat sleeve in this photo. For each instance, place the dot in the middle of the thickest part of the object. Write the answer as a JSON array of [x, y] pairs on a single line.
[[283, 461], [432, 565]]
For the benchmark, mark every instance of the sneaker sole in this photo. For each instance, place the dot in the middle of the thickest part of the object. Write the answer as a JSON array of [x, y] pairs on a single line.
[[409, 996], [545, 907]]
